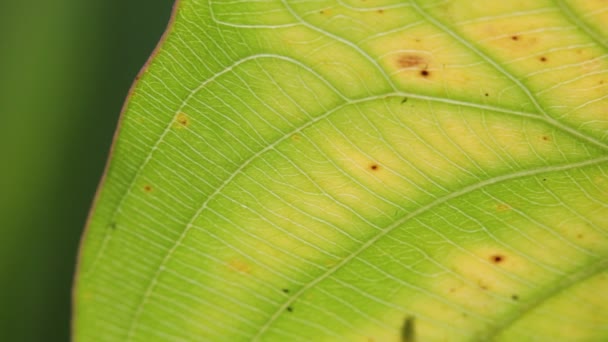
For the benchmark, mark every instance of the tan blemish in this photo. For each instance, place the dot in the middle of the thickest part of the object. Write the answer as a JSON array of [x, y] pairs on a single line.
[[380, 11], [545, 138], [374, 167], [543, 59], [408, 61], [148, 188], [239, 266], [182, 120], [296, 137], [502, 207]]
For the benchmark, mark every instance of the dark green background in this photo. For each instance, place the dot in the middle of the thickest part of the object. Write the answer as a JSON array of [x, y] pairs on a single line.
[[65, 69]]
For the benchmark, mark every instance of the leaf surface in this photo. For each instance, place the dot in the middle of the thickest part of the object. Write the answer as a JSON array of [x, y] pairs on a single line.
[[358, 171]]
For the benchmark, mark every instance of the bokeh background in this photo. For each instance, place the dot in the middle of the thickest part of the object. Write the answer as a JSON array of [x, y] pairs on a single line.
[[65, 70]]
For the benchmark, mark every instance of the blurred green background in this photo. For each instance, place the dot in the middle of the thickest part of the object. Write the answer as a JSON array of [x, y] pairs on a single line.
[[65, 69]]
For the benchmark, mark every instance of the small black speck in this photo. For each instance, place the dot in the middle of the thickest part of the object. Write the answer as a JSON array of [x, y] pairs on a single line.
[[286, 290], [486, 94], [544, 179], [404, 100], [290, 309]]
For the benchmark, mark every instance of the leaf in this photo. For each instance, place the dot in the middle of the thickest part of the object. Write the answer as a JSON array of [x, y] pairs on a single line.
[[358, 171]]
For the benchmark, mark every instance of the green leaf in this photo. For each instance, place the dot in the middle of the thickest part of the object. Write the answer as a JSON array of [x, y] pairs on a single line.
[[358, 171]]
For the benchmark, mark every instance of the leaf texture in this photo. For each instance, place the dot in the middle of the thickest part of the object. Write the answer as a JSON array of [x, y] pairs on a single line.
[[315, 170]]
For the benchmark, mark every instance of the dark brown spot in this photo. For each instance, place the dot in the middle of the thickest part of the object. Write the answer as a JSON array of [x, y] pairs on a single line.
[[497, 258], [514, 37], [374, 167], [425, 73], [515, 297], [543, 59], [290, 309], [148, 188], [545, 138], [486, 94], [408, 61]]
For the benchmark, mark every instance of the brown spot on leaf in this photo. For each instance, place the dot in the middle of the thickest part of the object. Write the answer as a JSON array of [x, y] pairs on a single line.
[[182, 120], [374, 167], [497, 258], [543, 59], [409, 60], [380, 11], [425, 73], [514, 37], [515, 297], [290, 309], [148, 188], [545, 138]]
